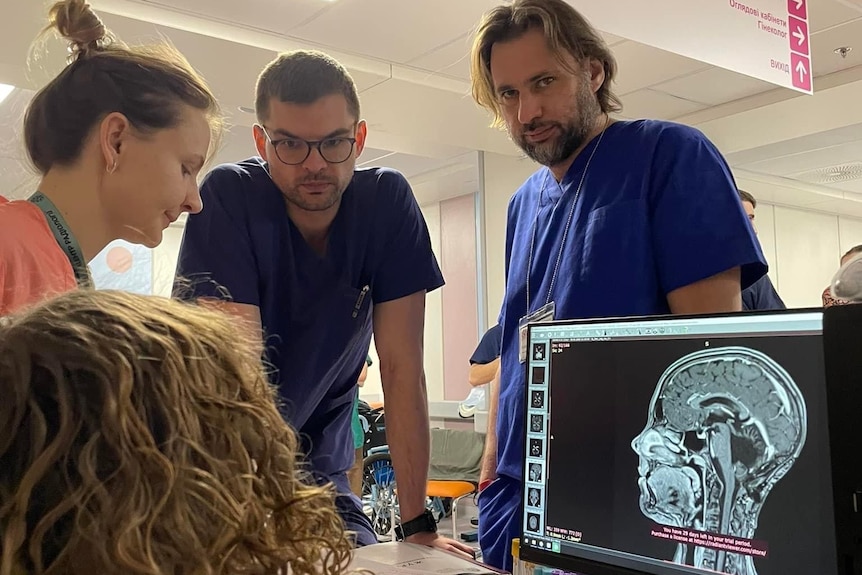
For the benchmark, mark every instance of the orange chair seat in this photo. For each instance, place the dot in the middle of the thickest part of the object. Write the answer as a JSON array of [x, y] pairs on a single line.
[[449, 489], [375, 404]]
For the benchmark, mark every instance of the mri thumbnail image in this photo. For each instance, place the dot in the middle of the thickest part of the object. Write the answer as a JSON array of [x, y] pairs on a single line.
[[537, 423], [536, 447], [540, 351], [537, 399], [724, 426], [533, 522], [534, 496], [535, 472]]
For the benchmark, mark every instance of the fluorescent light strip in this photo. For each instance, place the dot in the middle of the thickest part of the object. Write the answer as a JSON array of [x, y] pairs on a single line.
[[5, 90]]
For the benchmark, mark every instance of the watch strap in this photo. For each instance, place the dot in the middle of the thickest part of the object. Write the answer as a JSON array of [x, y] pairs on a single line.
[[425, 523]]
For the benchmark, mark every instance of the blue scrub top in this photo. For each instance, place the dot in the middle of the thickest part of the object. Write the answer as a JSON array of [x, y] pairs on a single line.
[[761, 295], [658, 210], [318, 326], [489, 347]]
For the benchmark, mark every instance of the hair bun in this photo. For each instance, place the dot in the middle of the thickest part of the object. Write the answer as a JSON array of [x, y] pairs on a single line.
[[76, 21]]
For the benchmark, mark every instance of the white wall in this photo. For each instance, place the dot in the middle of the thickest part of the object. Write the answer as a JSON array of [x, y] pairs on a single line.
[[803, 249], [434, 315], [503, 175], [373, 390]]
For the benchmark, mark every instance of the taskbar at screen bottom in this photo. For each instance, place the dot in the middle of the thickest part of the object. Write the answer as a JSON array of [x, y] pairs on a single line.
[[585, 559]]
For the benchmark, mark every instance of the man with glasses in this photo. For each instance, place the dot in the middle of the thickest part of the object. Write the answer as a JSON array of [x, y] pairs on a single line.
[[315, 255]]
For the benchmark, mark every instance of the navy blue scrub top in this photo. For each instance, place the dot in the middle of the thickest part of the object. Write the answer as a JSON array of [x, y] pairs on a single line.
[[761, 295], [489, 347], [318, 325]]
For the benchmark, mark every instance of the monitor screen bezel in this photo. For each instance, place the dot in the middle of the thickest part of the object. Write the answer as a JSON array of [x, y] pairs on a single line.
[[840, 482]]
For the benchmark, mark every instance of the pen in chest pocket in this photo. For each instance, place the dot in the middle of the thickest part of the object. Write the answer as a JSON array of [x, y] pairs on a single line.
[[362, 293]]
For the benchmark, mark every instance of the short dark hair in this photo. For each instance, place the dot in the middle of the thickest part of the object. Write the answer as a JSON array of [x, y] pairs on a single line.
[[148, 84], [303, 77], [747, 197], [566, 31]]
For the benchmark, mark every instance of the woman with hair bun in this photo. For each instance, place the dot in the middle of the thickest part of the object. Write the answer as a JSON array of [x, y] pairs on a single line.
[[118, 138]]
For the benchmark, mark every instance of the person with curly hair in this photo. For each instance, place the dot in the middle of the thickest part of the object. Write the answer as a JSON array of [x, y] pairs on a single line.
[[141, 437]]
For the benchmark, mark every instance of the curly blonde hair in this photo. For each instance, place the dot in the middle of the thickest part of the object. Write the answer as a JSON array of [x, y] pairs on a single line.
[[140, 436]]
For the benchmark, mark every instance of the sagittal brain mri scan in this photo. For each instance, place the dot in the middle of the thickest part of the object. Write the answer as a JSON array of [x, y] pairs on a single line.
[[535, 472], [723, 427]]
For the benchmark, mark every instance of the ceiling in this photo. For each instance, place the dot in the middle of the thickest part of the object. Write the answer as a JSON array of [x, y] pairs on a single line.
[[414, 86]]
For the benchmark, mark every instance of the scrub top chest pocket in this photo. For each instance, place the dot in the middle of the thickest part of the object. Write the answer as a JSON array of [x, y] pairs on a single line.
[[618, 248]]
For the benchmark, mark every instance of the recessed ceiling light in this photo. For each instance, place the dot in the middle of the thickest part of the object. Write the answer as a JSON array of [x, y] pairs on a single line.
[[246, 109], [5, 90], [843, 50]]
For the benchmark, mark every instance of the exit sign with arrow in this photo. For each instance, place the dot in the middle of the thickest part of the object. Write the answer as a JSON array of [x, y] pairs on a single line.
[[764, 39]]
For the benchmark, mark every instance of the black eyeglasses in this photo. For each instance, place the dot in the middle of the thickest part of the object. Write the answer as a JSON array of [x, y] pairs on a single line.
[[294, 151]]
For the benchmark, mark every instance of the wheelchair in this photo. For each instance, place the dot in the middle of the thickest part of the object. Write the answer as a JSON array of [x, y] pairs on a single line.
[[379, 488]]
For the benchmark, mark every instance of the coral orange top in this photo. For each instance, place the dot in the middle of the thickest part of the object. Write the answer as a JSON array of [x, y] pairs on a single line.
[[33, 267]]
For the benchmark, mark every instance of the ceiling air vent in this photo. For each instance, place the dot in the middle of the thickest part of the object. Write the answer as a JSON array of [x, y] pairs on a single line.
[[833, 174]]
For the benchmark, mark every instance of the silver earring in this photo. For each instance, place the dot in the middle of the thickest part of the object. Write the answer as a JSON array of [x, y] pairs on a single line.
[[112, 168]]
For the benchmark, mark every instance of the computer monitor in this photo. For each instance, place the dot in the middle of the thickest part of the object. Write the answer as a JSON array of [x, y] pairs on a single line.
[[691, 445]]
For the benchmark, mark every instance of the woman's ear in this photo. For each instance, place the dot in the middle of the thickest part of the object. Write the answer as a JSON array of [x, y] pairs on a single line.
[[113, 131]]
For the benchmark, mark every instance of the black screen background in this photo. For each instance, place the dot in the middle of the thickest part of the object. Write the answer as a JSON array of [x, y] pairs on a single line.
[[600, 396]]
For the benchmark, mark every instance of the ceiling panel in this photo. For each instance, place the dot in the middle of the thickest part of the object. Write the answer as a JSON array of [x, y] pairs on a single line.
[[420, 26], [800, 145], [852, 189], [373, 156], [448, 185], [408, 164], [824, 58], [642, 66], [652, 104], [714, 86], [210, 56], [612, 39], [809, 160], [393, 107], [278, 17], [827, 13], [452, 59], [366, 80]]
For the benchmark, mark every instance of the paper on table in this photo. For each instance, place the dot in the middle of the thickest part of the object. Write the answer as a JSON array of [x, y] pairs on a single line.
[[412, 559]]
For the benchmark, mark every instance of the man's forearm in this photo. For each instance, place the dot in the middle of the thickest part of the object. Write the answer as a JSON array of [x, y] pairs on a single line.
[[481, 374], [409, 437], [489, 456]]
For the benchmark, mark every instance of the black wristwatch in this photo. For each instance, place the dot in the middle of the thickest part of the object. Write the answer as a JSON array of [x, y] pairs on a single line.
[[423, 524]]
